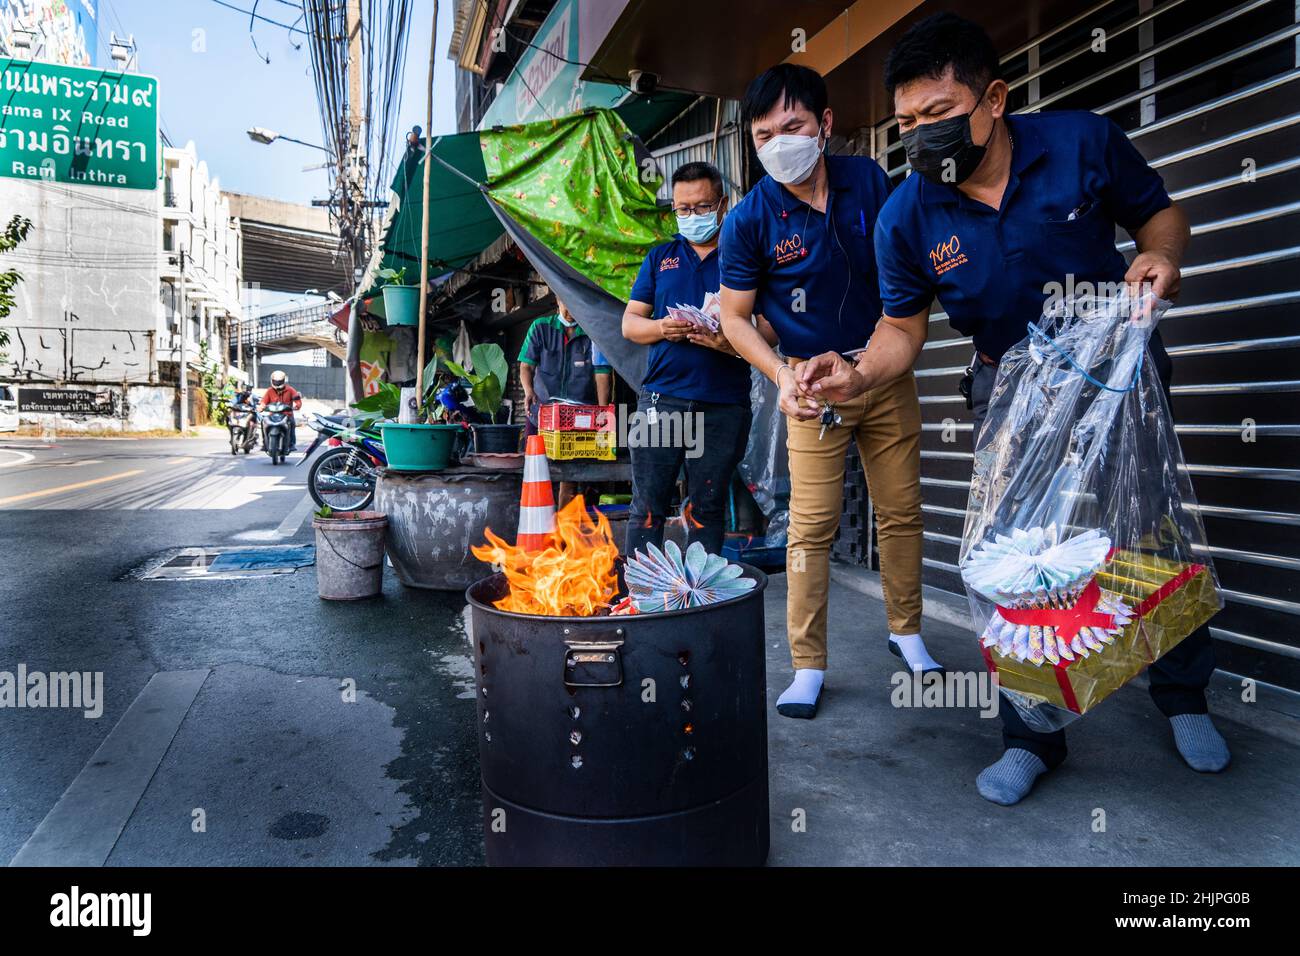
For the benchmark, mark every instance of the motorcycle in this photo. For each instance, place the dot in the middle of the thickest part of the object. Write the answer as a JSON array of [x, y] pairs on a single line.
[[344, 476], [275, 430], [241, 419]]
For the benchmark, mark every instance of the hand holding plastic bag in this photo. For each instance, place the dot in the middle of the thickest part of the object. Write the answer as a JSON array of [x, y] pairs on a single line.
[[1083, 553]]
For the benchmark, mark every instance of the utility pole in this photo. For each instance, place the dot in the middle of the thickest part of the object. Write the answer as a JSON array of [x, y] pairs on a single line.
[[424, 217], [185, 335], [352, 168]]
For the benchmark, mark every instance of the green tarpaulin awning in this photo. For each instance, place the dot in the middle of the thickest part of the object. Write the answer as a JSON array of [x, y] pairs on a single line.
[[461, 222]]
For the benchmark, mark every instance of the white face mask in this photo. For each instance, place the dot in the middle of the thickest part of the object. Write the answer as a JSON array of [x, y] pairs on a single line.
[[791, 157]]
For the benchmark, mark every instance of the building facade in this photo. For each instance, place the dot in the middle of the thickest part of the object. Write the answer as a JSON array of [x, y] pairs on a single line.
[[102, 304]]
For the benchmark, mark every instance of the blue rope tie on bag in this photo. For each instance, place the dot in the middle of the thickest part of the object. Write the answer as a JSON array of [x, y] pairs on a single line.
[[1035, 330]]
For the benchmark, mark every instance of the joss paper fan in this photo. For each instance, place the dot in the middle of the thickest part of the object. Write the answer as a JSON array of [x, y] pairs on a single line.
[[1034, 564], [667, 580]]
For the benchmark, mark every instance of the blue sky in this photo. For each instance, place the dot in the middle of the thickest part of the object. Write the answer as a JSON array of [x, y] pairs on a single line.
[[214, 86]]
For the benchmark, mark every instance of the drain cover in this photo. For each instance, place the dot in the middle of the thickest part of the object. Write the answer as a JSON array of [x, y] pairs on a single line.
[[187, 564]]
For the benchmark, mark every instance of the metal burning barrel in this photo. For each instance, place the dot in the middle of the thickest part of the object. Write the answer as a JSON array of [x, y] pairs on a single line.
[[627, 740]]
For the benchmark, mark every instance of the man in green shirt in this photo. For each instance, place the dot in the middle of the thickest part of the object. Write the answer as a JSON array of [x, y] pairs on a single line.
[[559, 361]]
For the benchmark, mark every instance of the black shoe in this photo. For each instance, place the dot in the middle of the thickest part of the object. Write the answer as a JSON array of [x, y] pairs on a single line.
[[898, 652]]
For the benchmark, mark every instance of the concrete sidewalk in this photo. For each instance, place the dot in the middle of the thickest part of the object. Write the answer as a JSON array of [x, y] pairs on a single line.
[[871, 784]]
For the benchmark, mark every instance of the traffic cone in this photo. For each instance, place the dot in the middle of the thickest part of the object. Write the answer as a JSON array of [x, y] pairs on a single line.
[[536, 500]]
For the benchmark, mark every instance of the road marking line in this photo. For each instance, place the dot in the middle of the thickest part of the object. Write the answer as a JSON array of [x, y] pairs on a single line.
[[23, 457], [294, 519], [44, 492], [85, 824]]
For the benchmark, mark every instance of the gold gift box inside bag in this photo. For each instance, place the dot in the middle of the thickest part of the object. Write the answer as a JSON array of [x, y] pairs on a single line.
[[1170, 600]]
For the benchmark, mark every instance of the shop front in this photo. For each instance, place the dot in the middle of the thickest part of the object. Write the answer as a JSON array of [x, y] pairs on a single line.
[[1206, 91]]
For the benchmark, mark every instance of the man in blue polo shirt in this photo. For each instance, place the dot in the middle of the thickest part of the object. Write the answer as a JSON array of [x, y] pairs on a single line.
[[999, 213], [798, 251], [691, 371]]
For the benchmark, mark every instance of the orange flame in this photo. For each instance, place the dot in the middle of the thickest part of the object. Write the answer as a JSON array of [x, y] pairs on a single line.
[[573, 577], [687, 518]]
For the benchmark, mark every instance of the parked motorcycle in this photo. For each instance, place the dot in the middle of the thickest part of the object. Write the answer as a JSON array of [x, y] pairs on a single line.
[[344, 476], [241, 419], [275, 430]]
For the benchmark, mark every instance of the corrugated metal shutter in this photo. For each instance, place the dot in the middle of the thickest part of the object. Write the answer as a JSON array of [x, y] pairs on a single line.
[[1210, 93], [689, 139]]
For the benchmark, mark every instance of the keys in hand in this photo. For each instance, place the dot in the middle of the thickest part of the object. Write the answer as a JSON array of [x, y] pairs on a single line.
[[830, 418]]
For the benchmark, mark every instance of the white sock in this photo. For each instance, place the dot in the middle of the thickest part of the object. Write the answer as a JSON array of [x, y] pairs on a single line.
[[914, 652], [805, 687]]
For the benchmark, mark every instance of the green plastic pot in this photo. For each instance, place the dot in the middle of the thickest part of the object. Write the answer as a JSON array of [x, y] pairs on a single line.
[[402, 304], [418, 447]]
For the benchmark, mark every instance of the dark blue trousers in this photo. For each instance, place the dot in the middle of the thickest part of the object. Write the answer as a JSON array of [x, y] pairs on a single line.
[[710, 443]]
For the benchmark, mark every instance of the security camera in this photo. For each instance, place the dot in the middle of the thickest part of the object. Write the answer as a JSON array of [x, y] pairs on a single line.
[[642, 82]]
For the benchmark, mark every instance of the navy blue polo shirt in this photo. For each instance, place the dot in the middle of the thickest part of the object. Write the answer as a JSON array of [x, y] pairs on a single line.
[[992, 270], [673, 274], [815, 273]]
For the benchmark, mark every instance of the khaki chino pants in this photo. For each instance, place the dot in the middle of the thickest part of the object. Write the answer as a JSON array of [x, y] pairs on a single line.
[[886, 424]]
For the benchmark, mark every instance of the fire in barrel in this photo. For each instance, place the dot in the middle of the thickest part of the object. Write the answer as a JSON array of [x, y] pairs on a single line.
[[619, 727]]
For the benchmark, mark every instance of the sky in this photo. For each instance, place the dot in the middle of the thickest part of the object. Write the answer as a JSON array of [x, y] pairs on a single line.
[[213, 86]]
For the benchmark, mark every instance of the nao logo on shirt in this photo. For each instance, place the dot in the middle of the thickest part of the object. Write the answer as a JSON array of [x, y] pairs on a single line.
[[669, 262], [787, 250], [947, 255]]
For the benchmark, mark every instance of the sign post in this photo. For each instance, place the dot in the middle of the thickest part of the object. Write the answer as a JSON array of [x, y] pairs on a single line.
[[69, 124]]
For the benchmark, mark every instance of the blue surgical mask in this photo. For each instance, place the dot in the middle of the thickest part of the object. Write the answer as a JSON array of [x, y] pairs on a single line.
[[698, 229]]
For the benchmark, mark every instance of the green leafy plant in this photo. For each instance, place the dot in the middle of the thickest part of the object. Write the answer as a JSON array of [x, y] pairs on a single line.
[[13, 236], [393, 276], [487, 376], [324, 511], [211, 385], [383, 404]]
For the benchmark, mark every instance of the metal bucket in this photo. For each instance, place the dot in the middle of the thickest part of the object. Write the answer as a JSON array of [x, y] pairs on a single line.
[[350, 555], [434, 519], [630, 740]]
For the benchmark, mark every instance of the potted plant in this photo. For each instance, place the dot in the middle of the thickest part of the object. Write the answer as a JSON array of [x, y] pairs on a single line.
[[487, 378], [349, 553], [415, 447], [401, 301]]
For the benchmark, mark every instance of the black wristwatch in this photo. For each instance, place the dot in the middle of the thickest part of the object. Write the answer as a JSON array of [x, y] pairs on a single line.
[[851, 359]]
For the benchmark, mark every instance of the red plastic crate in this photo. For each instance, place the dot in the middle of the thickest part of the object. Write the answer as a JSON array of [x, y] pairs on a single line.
[[559, 417]]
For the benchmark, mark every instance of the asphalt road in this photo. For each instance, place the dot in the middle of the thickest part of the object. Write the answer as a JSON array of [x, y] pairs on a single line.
[[273, 761]]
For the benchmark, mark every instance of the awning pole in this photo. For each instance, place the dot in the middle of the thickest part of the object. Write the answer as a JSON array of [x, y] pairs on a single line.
[[424, 214]]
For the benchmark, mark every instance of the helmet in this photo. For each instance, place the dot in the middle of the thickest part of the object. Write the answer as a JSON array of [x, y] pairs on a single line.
[[278, 379]]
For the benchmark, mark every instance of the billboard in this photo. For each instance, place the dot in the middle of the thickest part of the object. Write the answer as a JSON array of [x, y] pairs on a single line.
[[78, 125], [57, 31]]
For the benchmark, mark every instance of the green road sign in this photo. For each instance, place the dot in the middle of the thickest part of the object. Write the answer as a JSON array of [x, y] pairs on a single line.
[[71, 124]]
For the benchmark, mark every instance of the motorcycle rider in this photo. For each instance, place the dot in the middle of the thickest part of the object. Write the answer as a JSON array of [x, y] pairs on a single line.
[[281, 392]]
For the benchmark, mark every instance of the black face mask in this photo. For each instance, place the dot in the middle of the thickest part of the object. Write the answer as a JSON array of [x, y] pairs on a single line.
[[942, 151]]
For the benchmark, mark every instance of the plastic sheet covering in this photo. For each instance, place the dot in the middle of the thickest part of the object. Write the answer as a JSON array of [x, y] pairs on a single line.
[[1083, 555]]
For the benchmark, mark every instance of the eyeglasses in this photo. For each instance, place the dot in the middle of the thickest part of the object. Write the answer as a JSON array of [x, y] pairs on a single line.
[[699, 209]]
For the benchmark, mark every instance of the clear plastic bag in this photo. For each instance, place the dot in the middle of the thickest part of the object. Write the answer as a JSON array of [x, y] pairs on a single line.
[[1083, 554], [764, 467]]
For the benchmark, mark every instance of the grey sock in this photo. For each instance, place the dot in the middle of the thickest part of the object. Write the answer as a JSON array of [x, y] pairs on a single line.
[[1010, 779], [1200, 744]]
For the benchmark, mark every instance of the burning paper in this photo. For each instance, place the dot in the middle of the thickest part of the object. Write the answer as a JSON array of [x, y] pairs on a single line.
[[573, 577]]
